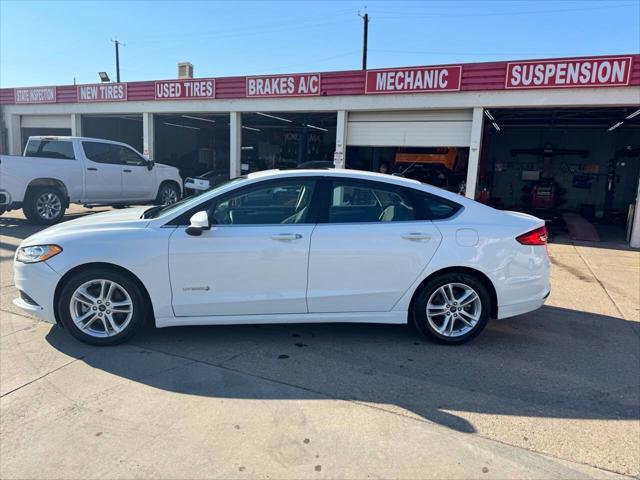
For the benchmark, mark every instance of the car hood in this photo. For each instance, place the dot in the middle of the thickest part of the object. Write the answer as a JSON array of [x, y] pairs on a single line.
[[114, 219]]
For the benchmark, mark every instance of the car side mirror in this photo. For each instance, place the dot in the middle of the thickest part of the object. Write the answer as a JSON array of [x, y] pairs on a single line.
[[198, 222], [150, 165]]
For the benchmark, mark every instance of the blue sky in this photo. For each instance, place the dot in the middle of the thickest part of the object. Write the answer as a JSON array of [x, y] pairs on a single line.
[[51, 43]]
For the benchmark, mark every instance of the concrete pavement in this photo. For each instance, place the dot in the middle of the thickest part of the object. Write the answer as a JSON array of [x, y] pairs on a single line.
[[552, 394]]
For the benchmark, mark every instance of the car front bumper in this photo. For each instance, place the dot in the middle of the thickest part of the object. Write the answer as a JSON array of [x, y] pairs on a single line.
[[38, 282]]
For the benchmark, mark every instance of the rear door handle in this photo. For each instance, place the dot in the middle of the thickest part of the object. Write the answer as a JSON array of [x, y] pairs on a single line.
[[127, 170], [416, 236], [286, 236], [92, 169]]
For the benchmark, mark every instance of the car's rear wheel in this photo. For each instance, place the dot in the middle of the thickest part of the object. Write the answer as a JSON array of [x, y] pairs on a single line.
[[451, 308], [101, 306], [44, 205]]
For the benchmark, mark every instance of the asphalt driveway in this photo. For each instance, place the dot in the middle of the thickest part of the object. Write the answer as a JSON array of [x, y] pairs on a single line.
[[551, 394]]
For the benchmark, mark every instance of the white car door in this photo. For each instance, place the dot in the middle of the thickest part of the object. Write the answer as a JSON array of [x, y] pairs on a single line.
[[138, 182], [254, 258], [370, 249], [103, 172]]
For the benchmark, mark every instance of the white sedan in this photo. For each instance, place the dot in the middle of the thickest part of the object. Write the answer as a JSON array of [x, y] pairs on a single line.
[[289, 247]]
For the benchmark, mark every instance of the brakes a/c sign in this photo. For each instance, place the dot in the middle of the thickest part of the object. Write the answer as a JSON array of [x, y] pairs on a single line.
[[300, 85], [190, 89], [102, 92], [414, 79], [565, 73]]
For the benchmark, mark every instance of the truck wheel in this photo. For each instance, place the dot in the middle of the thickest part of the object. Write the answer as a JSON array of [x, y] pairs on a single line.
[[168, 193], [2, 210], [44, 205]]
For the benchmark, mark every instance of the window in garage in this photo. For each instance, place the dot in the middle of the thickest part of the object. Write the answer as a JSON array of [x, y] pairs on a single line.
[[576, 168], [119, 128], [195, 143], [287, 140]]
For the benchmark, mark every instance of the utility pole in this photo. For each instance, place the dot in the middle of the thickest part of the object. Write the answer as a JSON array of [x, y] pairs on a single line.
[[365, 19], [117, 44]]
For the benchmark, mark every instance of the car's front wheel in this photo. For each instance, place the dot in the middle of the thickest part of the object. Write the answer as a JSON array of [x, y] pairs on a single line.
[[101, 306], [168, 194], [452, 308]]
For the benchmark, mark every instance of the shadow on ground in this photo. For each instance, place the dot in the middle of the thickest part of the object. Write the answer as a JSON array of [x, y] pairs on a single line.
[[552, 363]]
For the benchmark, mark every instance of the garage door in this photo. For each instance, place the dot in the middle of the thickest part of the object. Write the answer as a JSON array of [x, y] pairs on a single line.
[[46, 121], [433, 128]]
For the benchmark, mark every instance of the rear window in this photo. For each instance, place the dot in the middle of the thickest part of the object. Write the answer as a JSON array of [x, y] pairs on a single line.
[[61, 149], [101, 152], [437, 208]]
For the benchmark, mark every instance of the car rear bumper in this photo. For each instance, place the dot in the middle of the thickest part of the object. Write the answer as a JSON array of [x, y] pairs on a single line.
[[507, 311]]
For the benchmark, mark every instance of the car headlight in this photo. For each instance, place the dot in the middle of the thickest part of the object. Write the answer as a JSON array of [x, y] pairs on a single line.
[[37, 253]]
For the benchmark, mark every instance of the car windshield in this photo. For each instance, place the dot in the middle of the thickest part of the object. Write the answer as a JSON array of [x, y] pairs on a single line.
[[159, 210]]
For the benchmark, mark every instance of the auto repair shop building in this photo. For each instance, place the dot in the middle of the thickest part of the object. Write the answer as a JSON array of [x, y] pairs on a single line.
[[546, 136]]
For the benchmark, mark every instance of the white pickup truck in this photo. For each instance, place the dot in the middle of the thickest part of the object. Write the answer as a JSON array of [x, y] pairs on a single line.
[[57, 171]]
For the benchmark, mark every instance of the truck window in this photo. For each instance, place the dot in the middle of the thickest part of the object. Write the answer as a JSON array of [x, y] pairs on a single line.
[[101, 152], [62, 149], [129, 157]]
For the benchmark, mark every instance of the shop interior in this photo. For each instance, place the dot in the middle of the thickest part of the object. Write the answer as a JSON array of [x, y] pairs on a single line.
[[443, 167], [287, 140], [576, 168], [119, 128], [196, 143]]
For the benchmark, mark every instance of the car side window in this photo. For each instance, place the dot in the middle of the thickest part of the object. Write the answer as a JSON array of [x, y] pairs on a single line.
[[436, 208], [61, 149], [282, 203], [129, 157], [101, 152], [357, 202]]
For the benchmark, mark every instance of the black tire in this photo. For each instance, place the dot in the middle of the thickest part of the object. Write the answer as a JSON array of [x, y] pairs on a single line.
[[2, 211], [119, 207], [424, 326], [167, 190], [33, 205], [139, 307]]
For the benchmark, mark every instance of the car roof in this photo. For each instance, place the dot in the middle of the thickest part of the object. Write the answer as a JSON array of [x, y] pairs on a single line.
[[335, 172]]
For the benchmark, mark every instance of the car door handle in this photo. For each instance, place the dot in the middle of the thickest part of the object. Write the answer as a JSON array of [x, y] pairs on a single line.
[[416, 236], [126, 171], [92, 169], [286, 236]]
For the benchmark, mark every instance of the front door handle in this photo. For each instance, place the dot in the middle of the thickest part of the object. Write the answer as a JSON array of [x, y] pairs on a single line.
[[92, 169], [416, 236], [286, 236], [126, 170]]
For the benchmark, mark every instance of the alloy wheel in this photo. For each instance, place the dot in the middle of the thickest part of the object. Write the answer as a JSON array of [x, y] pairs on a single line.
[[48, 206], [101, 308], [169, 196], [454, 309]]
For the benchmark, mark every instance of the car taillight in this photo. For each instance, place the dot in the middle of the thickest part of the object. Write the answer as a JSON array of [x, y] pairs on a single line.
[[534, 237]]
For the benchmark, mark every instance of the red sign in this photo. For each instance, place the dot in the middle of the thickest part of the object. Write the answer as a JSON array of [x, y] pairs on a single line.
[[102, 92], [579, 72], [185, 89], [301, 85], [35, 95], [414, 79]]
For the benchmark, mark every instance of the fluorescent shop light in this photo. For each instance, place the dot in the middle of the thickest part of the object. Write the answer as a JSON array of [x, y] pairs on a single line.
[[634, 114], [181, 126], [317, 128], [199, 118], [611, 129], [495, 125], [273, 116], [252, 129], [489, 116]]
